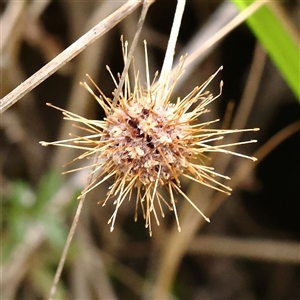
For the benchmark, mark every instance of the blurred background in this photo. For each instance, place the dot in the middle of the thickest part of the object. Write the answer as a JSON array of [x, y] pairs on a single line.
[[251, 248]]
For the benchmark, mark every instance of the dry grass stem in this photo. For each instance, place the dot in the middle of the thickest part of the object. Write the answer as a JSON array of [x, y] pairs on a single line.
[[9, 21], [69, 53], [168, 61], [266, 250], [201, 48], [146, 6]]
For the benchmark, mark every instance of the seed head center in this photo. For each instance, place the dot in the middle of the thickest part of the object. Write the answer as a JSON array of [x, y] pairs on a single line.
[[145, 140]]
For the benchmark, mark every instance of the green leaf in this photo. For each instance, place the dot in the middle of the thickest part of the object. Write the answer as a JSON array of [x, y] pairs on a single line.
[[277, 41]]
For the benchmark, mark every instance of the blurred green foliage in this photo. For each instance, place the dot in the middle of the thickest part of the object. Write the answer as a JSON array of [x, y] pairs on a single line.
[[30, 209], [26, 208]]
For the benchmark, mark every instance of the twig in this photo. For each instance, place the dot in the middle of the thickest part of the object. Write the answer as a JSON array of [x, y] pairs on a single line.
[[202, 49], [89, 61], [247, 101], [69, 240], [168, 61], [255, 249], [67, 246], [9, 20], [251, 89], [146, 6], [68, 54]]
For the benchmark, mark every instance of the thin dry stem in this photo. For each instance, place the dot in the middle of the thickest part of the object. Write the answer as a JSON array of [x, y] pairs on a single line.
[[91, 59], [146, 6], [168, 61], [254, 249], [9, 20], [198, 52], [69, 53]]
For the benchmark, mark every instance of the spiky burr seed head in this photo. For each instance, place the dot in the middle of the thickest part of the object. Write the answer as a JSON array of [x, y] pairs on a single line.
[[146, 139], [146, 142]]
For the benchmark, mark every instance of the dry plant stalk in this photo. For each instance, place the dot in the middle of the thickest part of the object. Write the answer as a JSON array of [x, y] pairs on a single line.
[[69, 53], [148, 143]]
